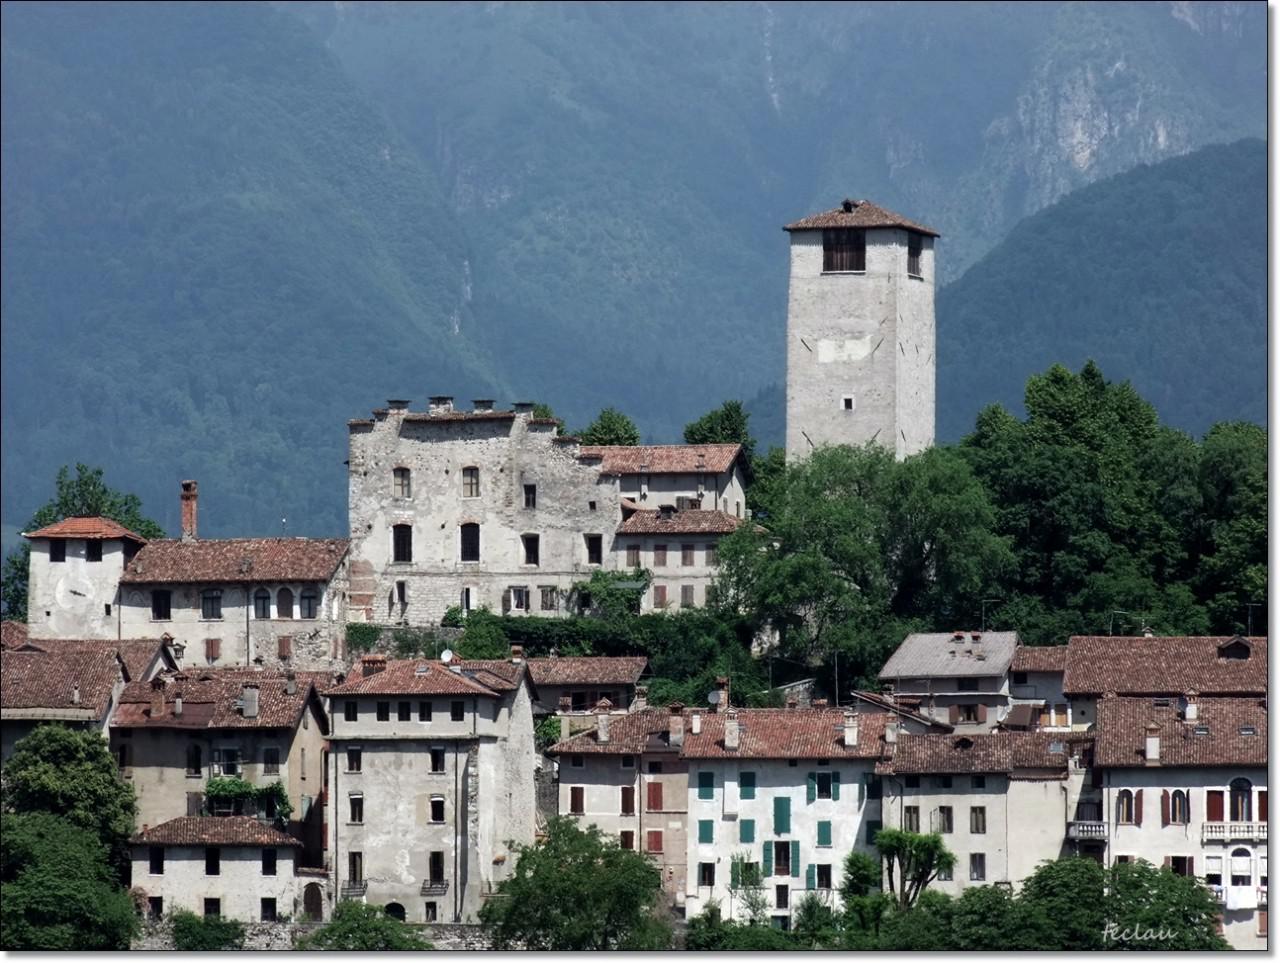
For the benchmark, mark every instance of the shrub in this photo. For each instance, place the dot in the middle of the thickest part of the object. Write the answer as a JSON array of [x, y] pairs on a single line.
[[193, 933]]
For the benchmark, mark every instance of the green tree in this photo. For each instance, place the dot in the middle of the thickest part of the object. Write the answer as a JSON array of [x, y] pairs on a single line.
[[85, 494], [70, 773], [814, 924], [58, 892], [359, 926], [1157, 909], [912, 861], [708, 930], [611, 427], [575, 890], [985, 918], [544, 411], [200, 934], [1061, 905], [925, 927], [726, 425], [483, 637]]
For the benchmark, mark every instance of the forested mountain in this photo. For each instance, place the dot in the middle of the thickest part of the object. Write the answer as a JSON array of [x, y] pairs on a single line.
[[228, 228]]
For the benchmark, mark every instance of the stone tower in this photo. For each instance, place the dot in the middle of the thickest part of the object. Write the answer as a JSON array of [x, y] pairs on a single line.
[[860, 331]]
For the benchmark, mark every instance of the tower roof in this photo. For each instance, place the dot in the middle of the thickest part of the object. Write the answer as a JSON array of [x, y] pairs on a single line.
[[853, 213]]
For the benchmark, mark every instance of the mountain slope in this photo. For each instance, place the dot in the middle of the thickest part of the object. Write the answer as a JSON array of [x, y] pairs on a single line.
[[215, 253], [1158, 274]]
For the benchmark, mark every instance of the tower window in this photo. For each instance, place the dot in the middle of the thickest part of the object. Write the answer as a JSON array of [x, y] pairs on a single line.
[[402, 543], [93, 551], [471, 482], [401, 485], [914, 244], [471, 542], [57, 550], [844, 249], [847, 402]]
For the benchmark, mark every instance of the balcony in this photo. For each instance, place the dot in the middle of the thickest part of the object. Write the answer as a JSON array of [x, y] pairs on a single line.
[[1229, 832], [1086, 829], [353, 890], [437, 888]]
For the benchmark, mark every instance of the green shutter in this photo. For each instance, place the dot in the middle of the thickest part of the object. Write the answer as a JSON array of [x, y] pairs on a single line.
[[706, 785], [824, 832], [747, 785], [835, 785], [782, 815], [811, 877], [811, 783], [768, 859], [747, 831], [873, 827], [735, 874], [706, 831], [795, 858]]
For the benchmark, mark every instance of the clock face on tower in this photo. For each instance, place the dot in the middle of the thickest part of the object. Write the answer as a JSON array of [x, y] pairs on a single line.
[[76, 603]]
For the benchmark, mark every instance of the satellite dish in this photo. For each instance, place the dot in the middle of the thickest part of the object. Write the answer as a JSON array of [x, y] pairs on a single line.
[[446, 655], [714, 696]]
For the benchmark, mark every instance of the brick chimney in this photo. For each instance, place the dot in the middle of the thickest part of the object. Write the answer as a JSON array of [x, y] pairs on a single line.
[[695, 723], [1192, 712], [731, 731], [157, 698], [177, 705], [722, 686], [675, 726], [517, 654], [602, 722], [371, 664], [641, 700], [290, 682], [565, 707], [75, 695], [190, 493]]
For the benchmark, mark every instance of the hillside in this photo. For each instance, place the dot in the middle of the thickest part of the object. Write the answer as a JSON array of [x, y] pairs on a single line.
[[1158, 274]]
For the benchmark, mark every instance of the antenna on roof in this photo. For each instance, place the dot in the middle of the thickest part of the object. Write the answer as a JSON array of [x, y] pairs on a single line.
[[284, 527], [446, 656]]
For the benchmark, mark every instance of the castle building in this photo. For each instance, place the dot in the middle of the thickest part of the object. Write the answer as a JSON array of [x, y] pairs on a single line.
[[860, 331]]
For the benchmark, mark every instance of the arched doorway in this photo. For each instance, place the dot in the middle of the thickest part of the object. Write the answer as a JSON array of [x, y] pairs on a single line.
[[313, 903], [395, 911]]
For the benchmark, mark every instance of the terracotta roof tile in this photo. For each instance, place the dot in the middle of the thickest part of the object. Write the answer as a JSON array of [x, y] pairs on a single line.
[[501, 675], [587, 670], [689, 521], [787, 734], [209, 697], [862, 214], [32, 679], [631, 734], [1213, 739], [13, 635], [662, 459], [237, 560], [412, 677], [983, 752], [887, 704], [1164, 665], [1039, 658], [93, 527], [948, 654], [135, 654], [214, 831]]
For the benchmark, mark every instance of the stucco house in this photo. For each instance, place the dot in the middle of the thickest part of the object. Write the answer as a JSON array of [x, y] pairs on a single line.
[[959, 678]]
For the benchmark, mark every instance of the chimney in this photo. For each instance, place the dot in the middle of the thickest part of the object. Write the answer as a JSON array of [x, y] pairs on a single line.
[[666, 511], [602, 727], [675, 726], [792, 702], [641, 700], [157, 698], [819, 703], [722, 686], [75, 694], [847, 205], [482, 404], [517, 654], [1192, 712], [440, 404], [566, 705], [731, 731], [523, 407], [695, 723], [850, 730], [977, 637], [1147, 632], [290, 682], [249, 701], [190, 492], [1153, 744], [397, 406], [891, 733], [565, 730], [177, 705], [372, 664]]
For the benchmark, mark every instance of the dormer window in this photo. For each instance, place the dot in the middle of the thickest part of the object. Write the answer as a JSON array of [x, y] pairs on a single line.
[[844, 249], [1237, 648]]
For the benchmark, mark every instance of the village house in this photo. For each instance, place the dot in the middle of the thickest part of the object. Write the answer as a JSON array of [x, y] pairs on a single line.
[[432, 780], [679, 548], [229, 866], [1035, 689], [172, 734], [493, 509], [959, 678], [585, 680]]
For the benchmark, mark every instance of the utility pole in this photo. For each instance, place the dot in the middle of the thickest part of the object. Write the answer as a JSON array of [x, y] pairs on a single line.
[[1111, 625], [1250, 606]]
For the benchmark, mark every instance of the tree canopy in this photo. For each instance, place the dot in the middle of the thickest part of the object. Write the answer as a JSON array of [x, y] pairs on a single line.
[[611, 427], [726, 425]]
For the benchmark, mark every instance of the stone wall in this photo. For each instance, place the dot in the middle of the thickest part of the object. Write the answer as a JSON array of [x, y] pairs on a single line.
[[158, 935]]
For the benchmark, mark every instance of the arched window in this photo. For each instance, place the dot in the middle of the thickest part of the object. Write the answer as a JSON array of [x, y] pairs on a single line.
[[262, 604], [308, 603], [1241, 867], [1179, 808], [284, 604], [401, 486], [470, 542], [395, 911], [471, 482], [402, 543], [195, 760], [1124, 806], [1241, 800]]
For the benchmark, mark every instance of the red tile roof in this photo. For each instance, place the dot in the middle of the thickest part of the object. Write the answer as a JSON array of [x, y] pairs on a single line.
[[1163, 665], [983, 752], [662, 459], [897, 708], [631, 734], [689, 521], [13, 635], [412, 677], [1039, 658], [209, 697], [786, 734], [136, 655], [237, 560], [587, 670], [214, 831], [500, 675], [93, 527], [32, 679], [863, 214], [1213, 739]]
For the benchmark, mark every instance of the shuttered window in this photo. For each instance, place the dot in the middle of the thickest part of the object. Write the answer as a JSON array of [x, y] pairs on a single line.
[[747, 785], [402, 543], [844, 249], [706, 831], [914, 245], [706, 785], [746, 831], [653, 841], [781, 815], [654, 800]]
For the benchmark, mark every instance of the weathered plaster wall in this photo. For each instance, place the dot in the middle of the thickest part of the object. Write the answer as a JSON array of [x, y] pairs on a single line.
[[76, 598], [240, 883]]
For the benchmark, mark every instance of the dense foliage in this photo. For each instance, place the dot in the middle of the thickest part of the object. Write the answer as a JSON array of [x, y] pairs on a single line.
[[85, 494], [57, 889], [611, 427], [199, 934], [268, 797], [726, 425], [575, 890], [359, 926]]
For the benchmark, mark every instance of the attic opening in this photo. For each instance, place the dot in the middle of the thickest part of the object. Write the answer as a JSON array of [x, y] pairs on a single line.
[[963, 743], [1237, 649]]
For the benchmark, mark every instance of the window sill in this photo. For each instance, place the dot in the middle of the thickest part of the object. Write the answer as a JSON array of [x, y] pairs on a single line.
[[915, 277], [219, 619], [825, 273]]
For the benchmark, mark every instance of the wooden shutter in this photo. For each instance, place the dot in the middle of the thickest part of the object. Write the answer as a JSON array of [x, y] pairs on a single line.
[[781, 815], [747, 831], [767, 862], [195, 802], [628, 800], [835, 786], [982, 712], [735, 874], [575, 799], [795, 858], [654, 841], [1164, 807], [824, 832], [212, 649], [811, 876], [1191, 865], [953, 714], [1137, 807], [284, 646], [1262, 805], [655, 797], [1214, 804], [811, 782]]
